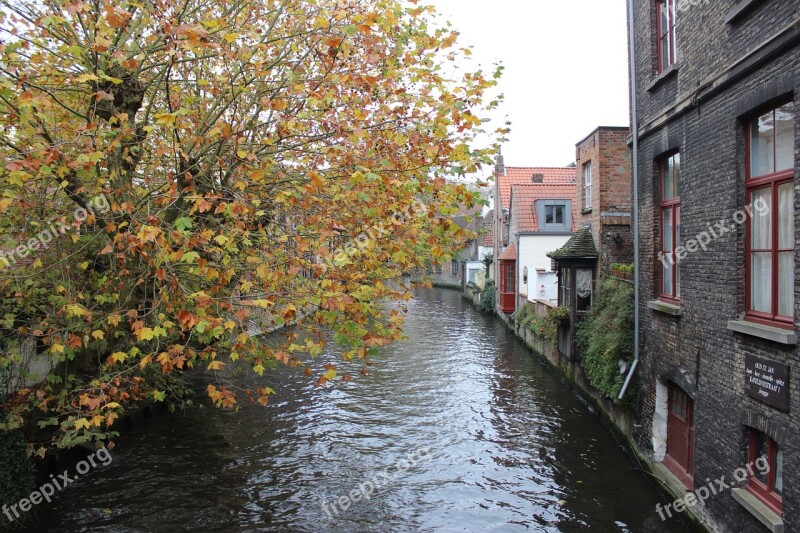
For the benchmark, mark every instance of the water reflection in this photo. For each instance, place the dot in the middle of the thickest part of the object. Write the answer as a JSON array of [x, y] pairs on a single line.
[[510, 449]]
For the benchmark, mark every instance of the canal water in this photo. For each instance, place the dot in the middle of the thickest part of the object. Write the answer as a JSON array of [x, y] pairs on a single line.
[[458, 428]]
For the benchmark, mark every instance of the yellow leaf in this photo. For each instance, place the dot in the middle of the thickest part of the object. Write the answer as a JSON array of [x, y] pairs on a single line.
[[57, 348], [118, 357], [83, 78], [113, 320], [230, 37], [259, 369], [145, 334], [221, 239], [112, 405], [230, 324], [82, 423], [165, 119], [97, 334], [4, 203], [216, 365]]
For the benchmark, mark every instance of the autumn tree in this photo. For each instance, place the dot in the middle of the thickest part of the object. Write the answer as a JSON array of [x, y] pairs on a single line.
[[180, 176]]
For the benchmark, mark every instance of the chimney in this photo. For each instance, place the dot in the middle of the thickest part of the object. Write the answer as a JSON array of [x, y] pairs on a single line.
[[538, 178], [500, 167]]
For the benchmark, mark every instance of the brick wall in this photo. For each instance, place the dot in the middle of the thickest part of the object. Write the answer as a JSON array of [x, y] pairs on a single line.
[[699, 109], [607, 151]]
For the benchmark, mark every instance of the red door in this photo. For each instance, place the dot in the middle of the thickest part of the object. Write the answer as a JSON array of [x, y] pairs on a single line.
[[680, 436]]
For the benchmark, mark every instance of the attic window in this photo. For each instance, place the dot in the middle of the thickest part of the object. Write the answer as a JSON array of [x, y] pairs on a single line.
[[554, 215], [538, 178]]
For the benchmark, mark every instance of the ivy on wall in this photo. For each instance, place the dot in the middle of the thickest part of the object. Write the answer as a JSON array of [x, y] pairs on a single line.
[[606, 337]]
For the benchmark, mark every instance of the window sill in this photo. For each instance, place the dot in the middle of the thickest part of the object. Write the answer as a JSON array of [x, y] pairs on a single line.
[[586, 211], [740, 10], [670, 71], [664, 307], [782, 336], [764, 514]]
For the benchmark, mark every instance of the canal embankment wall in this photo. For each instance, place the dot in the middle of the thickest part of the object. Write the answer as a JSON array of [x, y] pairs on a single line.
[[619, 418]]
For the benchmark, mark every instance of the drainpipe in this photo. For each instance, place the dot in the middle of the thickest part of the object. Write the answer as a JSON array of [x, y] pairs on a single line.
[[635, 214]]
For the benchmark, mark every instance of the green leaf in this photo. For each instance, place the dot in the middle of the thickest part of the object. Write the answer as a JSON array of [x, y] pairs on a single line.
[[183, 223]]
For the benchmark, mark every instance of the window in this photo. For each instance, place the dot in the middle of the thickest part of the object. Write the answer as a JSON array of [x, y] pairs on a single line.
[[670, 177], [554, 215], [584, 285], [587, 185], [454, 267], [666, 34], [509, 274], [769, 269], [766, 458]]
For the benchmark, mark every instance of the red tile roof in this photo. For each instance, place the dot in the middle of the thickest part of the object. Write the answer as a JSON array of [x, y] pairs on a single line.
[[510, 254], [524, 196], [524, 175]]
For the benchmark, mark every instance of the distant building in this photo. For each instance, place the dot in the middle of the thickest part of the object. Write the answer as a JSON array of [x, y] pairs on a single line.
[[603, 236], [716, 90], [542, 219], [507, 273]]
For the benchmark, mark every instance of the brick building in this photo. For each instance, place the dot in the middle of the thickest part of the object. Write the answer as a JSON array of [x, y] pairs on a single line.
[[603, 225], [715, 106], [604, 193]]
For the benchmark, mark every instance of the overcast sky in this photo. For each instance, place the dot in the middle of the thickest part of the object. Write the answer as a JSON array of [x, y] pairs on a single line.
[[566, 69]]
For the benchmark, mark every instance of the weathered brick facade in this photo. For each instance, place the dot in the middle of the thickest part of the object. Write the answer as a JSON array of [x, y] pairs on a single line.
[[734, 58], [606, 151]]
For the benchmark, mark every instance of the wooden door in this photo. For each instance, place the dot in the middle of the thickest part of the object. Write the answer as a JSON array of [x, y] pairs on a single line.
[[680, 436]]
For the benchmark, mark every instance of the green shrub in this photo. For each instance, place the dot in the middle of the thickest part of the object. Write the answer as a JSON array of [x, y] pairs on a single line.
[[606, 337], [17, 477], [620, 267], [544, 327], [487, 298]]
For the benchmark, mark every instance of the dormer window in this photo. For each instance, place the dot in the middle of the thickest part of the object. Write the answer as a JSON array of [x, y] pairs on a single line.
[[554, 215]]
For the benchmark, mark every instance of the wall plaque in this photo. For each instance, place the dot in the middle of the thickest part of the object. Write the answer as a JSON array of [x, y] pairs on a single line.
[[767, 381]]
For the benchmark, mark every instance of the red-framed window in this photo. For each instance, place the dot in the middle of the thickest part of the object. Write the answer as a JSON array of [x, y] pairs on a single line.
[[766, 484], [670, 206], [508, 278], [769, 269], [666, 33]]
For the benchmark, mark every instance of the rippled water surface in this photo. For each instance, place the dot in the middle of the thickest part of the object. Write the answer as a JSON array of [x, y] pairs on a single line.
[[458, 428]]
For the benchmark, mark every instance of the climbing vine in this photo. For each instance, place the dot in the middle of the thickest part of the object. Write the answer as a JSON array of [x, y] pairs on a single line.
[[606, 337]]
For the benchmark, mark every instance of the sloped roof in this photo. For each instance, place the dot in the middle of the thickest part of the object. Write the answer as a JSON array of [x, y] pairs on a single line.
[[523, 198], [579, 246], [510, 254], [468, 217], [524, 175]]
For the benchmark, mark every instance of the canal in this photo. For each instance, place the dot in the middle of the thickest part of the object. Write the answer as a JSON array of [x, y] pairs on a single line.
[[458, 428]]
